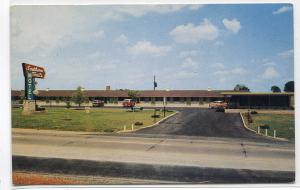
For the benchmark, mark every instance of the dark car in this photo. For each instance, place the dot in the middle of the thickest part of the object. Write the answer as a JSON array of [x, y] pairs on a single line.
[[220, 109]]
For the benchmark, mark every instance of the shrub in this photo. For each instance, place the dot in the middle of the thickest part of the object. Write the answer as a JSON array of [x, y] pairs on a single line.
[[57, 100], [253, 112], [68, 104], [248, 117], [108, 130], [155, 116]]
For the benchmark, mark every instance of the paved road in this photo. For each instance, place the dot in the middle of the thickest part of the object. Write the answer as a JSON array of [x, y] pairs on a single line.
[[206, 152], [203, 122]]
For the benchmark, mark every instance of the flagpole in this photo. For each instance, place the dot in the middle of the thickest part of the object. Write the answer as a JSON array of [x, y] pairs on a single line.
[[154, 83]]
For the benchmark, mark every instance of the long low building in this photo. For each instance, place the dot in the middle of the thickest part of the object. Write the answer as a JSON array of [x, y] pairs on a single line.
[[173, 98]]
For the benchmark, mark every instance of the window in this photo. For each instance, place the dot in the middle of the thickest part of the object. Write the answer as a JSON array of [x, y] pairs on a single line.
[[194, 99], [159, 99], [176, 99]]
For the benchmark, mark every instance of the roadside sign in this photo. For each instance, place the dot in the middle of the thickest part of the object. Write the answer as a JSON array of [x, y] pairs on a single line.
[[36, 71], [29, 85]]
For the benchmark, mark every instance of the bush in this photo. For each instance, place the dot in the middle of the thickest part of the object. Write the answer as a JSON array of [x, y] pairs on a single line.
[[56, 100], [248, 117], [138, 123], [155, 116], [108, 130], [253, 112], [68, 104]]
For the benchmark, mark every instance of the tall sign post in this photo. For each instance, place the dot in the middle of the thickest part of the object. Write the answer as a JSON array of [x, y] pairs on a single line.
[[31, 72]]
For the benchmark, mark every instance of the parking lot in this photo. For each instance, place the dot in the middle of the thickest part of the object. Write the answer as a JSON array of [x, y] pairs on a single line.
[[203, 122]]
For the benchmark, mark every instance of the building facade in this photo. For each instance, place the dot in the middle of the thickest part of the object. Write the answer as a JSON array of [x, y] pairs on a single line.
[[173, 98]]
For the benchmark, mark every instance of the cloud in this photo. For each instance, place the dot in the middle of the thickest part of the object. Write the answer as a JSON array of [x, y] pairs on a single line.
[[224, 75], [38, 28], [184, 75], [286, 54], [44, 28], [233, 25], [85, 37], [282, 10], [223, 71], [122, 39], [218, 66], [219, 43], [238, 71], [146, 47], [271, 63], [190, 53], [160, 9], [98, 34], [99, 61], [191, 34], [195, 7], [189, 63], [270, 73]]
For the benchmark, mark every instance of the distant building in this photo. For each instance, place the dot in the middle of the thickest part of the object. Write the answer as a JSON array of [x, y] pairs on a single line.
[[174, 98]]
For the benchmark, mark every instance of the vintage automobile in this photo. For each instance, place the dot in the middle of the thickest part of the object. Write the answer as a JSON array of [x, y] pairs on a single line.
[[218, 104], [98, 103], [128, 103]]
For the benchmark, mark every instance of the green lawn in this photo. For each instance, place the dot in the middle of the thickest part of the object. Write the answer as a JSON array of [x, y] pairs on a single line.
[[284, 124], [98, 120]]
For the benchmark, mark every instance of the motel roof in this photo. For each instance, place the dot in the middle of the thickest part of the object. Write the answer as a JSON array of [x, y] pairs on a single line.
[[258, 93], [123, 93], [151, 93]]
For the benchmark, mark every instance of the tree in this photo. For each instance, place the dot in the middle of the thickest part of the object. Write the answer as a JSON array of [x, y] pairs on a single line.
[[78, 96], [241, 87], [275, 89], [289, 86], [67, 101], [133, 94]]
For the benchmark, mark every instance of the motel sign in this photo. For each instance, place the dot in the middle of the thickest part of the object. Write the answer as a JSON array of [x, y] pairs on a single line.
[[30, 73]]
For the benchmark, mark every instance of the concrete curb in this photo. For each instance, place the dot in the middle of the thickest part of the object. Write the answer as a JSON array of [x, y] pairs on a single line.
[[187, 174], [153, 125], [245, 125]]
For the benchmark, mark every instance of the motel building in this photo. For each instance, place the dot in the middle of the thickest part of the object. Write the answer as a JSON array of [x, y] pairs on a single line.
[[173, 98]]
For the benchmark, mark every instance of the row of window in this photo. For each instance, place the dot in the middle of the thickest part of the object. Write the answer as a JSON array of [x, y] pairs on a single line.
[[143, 99]]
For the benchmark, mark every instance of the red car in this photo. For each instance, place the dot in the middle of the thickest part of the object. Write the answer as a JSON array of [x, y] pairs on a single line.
[[128, 103]]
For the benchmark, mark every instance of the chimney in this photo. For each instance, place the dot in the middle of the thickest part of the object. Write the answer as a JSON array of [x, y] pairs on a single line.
[[107, 87]]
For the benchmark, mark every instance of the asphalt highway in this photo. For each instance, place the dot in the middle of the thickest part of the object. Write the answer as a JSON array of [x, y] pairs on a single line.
[[207, 152]]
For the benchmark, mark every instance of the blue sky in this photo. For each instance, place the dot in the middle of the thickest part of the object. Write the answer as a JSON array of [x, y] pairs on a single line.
[[185, 46]]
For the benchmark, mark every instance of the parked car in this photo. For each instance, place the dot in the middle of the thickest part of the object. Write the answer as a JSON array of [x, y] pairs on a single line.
[[218, 104], [128, 103], [220, 109], [98, 103]]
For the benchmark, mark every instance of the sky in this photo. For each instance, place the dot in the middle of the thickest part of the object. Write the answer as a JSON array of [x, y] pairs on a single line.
[[187, 47]]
